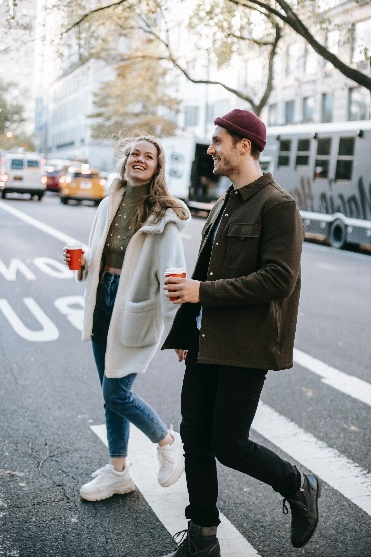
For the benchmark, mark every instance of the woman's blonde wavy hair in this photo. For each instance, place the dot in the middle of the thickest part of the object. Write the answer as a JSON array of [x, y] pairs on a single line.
[[159, 199]]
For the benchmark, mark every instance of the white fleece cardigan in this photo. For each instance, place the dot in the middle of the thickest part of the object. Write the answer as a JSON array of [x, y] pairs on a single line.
[[141, 309]]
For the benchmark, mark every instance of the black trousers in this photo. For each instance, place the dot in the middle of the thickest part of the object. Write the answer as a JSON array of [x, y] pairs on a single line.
[[218, 406]]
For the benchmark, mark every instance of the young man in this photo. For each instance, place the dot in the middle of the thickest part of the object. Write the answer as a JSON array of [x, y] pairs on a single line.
[[236, 321]]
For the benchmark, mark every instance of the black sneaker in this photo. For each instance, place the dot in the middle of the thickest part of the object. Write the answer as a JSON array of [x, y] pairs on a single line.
[[304, 510], [195, 542]]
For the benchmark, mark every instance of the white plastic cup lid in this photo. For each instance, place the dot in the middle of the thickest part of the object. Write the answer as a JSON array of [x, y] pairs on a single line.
[[176, 270], [74, 245]]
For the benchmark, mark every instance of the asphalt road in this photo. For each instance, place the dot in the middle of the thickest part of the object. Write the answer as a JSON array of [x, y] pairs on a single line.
[[50, 396]]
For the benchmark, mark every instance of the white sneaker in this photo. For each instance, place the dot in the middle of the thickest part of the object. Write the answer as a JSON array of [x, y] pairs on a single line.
[[171, 460], [106, 483]]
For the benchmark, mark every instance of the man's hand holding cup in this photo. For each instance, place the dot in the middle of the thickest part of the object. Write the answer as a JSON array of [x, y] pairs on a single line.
[[179, 288]]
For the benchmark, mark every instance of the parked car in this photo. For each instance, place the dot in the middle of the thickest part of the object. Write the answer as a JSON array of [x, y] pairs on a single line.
[[54, 169], [22, 173], [82, 183]]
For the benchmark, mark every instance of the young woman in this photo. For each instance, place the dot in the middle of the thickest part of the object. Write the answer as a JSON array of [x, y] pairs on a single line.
[[134, 238]]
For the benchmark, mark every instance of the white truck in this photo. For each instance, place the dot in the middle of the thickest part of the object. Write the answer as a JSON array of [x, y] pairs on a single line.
[[327, 169], [22, 173], [189, 172]]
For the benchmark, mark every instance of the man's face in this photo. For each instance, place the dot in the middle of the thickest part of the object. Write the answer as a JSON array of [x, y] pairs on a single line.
[[224, 152]]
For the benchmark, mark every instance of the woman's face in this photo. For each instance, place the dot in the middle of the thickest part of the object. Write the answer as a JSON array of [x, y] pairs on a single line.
[[142, 163]]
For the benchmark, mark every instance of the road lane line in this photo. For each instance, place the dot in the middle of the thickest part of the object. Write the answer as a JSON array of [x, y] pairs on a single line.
[[49, 229], [38, 224], [169, 503], [347, 384], [338, 471]]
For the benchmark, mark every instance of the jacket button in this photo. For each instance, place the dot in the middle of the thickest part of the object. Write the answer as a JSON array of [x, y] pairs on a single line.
[[216, 244], [226, 215], [211, 274], [203, 335]]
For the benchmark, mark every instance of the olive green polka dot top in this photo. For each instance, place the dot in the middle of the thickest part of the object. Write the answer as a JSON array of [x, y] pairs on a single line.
[[120, 230]]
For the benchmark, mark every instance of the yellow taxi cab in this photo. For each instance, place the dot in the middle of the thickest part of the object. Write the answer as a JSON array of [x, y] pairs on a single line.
[[82, 183]]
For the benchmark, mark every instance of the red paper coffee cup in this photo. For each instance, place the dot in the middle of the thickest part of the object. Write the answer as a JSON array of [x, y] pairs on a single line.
[[175, 272], [74, 249]]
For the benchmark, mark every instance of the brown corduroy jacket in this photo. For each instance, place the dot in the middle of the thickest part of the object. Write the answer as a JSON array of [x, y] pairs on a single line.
[[250, 290]]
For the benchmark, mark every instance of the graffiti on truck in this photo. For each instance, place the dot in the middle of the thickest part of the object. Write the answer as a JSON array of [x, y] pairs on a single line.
[[357, 205]]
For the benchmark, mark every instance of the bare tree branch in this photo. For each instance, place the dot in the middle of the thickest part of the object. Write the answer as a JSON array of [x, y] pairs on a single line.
[[91, 12], [298, 26], [263, 5], [171, 58], [255, 41], [270, 78]]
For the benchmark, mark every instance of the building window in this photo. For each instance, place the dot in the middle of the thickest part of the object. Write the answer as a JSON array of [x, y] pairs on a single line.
[[290, 60], [191, 116], [361, 41], [327, 108], [272, 114], [209, 113], [308, 109], [284, 152], [358, 104], [303, 152], [310, 60], [289, 112], [344, 163], [322, 165]]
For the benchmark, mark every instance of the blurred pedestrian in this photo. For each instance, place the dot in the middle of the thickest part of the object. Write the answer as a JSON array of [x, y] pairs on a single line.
[[135, 237], [237, 320]]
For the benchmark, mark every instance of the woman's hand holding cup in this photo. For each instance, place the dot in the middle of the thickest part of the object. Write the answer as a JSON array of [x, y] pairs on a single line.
[[73, 256]]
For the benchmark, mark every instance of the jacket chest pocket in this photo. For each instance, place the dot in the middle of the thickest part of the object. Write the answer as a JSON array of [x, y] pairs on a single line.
[[140, 324], [242, 246]]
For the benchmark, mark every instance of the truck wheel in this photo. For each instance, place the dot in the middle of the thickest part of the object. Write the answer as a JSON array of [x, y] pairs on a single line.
[[64, 200], [40, 196], [338, 234], [3, 194]]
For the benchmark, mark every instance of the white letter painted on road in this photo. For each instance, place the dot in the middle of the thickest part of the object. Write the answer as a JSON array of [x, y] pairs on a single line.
[[48, 332], [10, 272], [73, 314], [46, 265]]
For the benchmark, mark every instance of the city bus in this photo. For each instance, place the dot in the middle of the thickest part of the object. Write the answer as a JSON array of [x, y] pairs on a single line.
[[327, 169]]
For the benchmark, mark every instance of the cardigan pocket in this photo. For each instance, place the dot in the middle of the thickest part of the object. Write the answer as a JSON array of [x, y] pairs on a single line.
[[242, 245], [140, 326]]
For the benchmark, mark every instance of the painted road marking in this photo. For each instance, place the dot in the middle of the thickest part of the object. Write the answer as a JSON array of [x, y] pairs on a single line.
[[169, 503], [40, 225], [338, 471], [49, 229], [347, 384]]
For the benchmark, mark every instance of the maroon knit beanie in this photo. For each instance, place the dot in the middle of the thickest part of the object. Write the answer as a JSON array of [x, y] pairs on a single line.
[[245, 124]]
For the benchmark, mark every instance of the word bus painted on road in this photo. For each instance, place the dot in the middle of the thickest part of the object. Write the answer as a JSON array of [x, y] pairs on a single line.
[[72, 307], [327, 169]]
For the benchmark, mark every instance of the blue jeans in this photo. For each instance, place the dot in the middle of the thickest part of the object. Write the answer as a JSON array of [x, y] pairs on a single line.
[[121, 405]]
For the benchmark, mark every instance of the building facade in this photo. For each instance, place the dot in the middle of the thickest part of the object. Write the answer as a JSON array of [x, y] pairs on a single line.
[[306, 88]]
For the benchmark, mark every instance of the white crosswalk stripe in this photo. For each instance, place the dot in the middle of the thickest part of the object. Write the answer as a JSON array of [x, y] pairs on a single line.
[[169, 503], [347, 384], [338, 471]]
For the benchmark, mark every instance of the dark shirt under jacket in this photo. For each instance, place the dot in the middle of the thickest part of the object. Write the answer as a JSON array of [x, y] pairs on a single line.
[[250, 280]]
